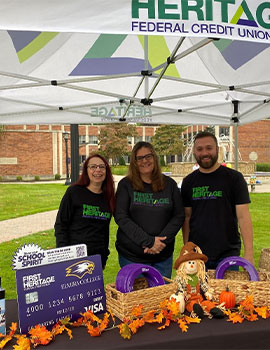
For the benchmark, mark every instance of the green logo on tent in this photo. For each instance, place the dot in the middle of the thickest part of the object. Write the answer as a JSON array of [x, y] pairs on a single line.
[[203, 10]]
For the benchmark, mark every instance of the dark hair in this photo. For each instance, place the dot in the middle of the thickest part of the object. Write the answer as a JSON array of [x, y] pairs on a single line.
[[202, 134], [133, 170], [107, 185]]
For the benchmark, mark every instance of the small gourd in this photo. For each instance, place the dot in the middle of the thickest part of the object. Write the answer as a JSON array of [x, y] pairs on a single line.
[[227, 297], [179, 297]]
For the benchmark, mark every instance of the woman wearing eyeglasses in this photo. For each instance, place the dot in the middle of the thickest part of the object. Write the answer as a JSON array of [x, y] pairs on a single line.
[[86, 209], [149, 212]]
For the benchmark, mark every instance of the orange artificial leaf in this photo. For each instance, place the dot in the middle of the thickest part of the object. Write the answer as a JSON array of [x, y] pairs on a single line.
[[78, 323], [23, 343], [137, 310], [165, 312], [164, 304], [58, 329], [166, 324], [192, 319], [263, 311], [13, 328], [159, 317], [5, 341], [65, 321], [93, 331], [235, 318], [40, 335], [112, 315], [182, 325], [173, 306], [69, 332], [149, 317], [90, 316], [104, 322], [125, 331], [248, 303], [252, 317], [227, 312], [136, 324]]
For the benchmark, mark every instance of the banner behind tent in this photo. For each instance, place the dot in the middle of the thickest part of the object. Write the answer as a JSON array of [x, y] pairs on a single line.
[[232, 19]]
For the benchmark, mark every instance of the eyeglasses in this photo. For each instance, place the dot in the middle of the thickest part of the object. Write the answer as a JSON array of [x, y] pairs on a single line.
[[147, 157], [94, 167]]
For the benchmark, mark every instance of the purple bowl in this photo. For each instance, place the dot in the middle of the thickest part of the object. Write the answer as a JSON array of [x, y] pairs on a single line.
[[236, 261], [127, 275]]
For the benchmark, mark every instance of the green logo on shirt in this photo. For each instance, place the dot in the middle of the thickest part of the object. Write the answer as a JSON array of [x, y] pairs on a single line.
[[147, 198], [203, 192], [90, 211]]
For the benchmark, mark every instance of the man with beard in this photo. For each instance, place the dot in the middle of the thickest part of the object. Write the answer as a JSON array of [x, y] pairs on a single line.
[[216, 201]]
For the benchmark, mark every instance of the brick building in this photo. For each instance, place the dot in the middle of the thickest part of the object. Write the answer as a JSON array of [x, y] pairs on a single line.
[[39, 150]]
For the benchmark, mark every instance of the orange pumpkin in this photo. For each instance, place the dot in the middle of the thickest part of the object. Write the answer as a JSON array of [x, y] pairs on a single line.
[[227, 297]]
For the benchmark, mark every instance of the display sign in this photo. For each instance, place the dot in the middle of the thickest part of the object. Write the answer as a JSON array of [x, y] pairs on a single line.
[[49, 293], [2, 311], [31, 255]]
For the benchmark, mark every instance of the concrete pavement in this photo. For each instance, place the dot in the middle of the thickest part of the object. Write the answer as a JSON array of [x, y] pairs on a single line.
[[26, 225]]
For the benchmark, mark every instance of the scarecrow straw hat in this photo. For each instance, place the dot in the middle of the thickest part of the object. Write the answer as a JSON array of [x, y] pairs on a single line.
[[190, 251]]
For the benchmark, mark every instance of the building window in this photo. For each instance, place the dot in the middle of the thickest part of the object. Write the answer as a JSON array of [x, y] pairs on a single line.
[[82, 139], [93, 139], [129, 138], [138, 139], [126, 159], [148, 139], [82, 158], [224, 131]]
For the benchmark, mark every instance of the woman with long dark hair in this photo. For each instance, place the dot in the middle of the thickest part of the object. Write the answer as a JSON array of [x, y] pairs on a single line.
[[86, 209], [149, 212]]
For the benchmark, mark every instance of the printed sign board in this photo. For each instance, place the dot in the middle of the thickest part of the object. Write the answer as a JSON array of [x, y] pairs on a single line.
[[49, 293], [31, 255]]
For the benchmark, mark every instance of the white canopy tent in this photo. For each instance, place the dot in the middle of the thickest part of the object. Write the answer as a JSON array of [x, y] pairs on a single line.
[[146, 61]]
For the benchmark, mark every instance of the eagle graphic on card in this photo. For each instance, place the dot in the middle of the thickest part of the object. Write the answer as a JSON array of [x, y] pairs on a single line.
[[80, 268]]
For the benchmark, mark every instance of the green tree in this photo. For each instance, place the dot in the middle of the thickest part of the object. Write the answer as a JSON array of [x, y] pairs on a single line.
[[167, 140], [113, 140], [2, 129], [210, 128]]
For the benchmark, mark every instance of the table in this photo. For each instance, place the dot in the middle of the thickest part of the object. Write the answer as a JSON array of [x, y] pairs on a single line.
[[209, 334], [253, 186]]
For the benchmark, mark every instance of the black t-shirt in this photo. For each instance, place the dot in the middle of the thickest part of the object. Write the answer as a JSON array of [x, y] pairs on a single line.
[[213, 197], [143, 215], [84, 217]]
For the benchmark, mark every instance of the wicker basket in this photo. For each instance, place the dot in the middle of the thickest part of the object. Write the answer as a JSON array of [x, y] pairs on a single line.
[[239, 283], [264, 262], [122, 304]]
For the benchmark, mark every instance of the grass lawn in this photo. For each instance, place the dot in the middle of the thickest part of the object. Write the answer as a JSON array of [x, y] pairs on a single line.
[[23, 202], [24, 199]]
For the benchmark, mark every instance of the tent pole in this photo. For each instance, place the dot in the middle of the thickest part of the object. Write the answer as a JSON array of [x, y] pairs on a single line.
[[236, 145], [146, 84], [236, 123], [74, 145]]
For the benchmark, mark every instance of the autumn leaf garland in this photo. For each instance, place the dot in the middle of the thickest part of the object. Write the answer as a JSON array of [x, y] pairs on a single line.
[[169, 312], [247, 311]]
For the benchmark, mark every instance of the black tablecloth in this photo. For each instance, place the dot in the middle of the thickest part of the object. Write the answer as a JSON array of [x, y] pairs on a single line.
[[209, 334]]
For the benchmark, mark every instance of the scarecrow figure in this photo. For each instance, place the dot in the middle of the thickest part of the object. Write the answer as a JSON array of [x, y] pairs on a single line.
[[192, 282]]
